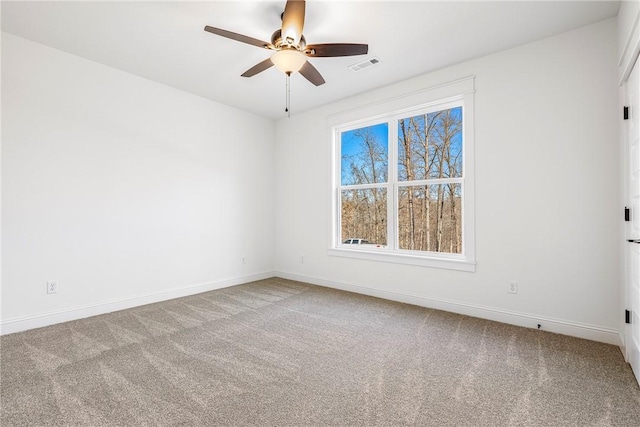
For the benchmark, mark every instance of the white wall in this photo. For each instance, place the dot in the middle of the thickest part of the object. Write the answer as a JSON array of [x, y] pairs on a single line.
[[123, 190], [628, 36], [547, 191]]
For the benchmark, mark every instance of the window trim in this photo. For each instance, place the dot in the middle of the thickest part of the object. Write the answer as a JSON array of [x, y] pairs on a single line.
[[455, 93]]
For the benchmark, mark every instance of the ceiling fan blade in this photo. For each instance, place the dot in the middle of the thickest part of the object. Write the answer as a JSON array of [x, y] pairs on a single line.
[[310, 73], [238, 37], [258, 68], [336, 49], [293, 21]]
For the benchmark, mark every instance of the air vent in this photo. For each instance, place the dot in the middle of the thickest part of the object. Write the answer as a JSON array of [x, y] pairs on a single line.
[[364, 64]]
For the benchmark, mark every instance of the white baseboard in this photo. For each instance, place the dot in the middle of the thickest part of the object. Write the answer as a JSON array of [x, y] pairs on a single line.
[[37, 321], [559, 326], [575, 329]]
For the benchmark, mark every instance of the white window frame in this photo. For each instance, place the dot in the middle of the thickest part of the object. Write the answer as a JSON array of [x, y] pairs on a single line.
[[441, 97]]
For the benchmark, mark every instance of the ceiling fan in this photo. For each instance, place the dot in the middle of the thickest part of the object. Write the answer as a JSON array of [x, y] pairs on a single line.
[[290, 47]]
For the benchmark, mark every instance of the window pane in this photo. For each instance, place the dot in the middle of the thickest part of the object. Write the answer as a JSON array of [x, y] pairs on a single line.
[[430, 146], [429, 218], [364, 215], [364, 154]]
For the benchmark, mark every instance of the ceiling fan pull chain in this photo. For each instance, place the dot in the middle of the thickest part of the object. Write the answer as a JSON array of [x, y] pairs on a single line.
[[288, 107]]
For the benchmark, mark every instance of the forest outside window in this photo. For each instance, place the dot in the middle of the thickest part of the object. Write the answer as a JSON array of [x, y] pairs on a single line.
[[404, 188]]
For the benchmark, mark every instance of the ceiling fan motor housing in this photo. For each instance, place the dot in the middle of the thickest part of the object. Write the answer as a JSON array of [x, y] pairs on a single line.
[[278, 43]]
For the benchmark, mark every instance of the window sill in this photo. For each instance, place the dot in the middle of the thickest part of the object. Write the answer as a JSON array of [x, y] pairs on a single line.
[[402, 258]]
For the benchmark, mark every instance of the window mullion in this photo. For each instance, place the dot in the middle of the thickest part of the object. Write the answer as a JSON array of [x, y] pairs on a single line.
[[392, 189], [433, 181], [362, 186]]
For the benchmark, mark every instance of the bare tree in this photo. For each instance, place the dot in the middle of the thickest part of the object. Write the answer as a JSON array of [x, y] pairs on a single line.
[[368, 166], [429, 147]]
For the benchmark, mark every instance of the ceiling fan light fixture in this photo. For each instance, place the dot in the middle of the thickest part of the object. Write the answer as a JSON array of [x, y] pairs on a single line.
[[288, 61]]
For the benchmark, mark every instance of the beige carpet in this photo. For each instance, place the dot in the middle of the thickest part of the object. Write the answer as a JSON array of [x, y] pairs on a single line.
[[283, 353]]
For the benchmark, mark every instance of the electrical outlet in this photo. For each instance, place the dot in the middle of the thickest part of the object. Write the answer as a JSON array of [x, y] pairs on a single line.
[[52, 287], [513, 287], [244, 260], [302, 259]]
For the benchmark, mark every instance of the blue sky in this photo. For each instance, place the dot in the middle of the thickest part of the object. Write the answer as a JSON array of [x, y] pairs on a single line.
[[351, 145]]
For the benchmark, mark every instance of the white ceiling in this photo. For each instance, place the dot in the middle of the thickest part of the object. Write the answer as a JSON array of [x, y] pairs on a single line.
[[165, 41]]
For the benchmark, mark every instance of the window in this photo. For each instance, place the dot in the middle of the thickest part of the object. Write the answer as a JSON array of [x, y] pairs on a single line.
[[403, 181]]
